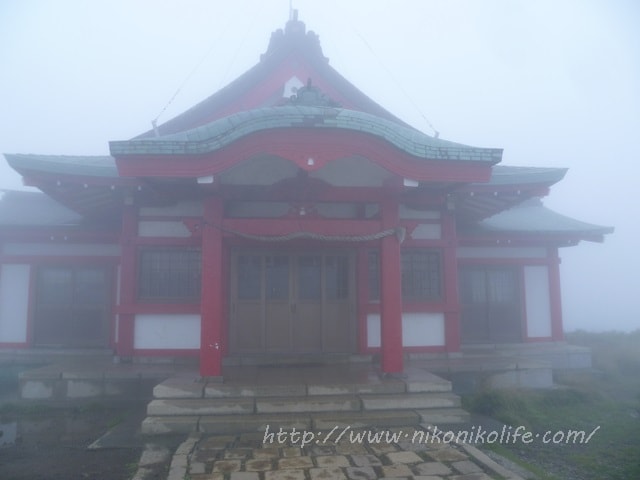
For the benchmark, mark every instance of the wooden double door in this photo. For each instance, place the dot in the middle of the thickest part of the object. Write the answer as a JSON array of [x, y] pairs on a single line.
[[285, 302]]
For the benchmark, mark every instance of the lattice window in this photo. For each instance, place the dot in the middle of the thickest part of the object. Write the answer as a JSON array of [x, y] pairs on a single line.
[[421, 275], [169, 275]]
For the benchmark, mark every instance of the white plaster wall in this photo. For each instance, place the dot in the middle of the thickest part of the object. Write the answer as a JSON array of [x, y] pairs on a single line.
[[14, 303], [168, 228], [407, 213], [427, 231], [352, 172], [167, 331], [263, 170], [422, 329], [179, 209], [537, 303], [65, 249], [418, 330], [501, 252], [373, 330]]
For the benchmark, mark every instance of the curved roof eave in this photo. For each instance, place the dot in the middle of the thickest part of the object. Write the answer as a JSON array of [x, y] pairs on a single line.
[[94, 166], [533, 218], [220, 133]]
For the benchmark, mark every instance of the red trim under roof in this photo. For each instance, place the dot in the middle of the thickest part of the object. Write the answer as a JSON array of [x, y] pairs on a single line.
[[298, 145]]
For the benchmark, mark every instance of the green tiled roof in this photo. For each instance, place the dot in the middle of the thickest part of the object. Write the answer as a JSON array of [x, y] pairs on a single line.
[[220, 133], [19, 208], [532, 217], [95, 166], [508, 175]]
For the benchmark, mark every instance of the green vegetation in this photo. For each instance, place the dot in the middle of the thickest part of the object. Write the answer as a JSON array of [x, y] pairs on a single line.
[[608, 397]]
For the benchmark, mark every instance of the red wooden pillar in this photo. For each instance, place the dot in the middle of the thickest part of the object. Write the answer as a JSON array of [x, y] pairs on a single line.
[[126, 319], [362, 287], [211, 303], [390, 293], [451, 295], [555, 301]]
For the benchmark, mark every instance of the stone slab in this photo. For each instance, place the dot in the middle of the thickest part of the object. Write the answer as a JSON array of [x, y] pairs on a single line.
[[168, 425], [421, 381], [187, 406], [388, 418], [530, 378], [234, 424], [85, 388], [326, 403], [216, 390], [178, 388], [438, 416], [358, 388], [410, 401]]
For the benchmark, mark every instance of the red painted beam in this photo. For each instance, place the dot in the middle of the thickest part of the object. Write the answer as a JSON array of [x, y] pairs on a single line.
[[298, 145], [284, 226]]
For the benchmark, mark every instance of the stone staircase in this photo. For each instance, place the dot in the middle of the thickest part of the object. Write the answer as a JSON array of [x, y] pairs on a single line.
[[182, 404]]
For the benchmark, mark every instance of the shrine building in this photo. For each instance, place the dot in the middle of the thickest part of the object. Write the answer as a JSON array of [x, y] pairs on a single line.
[[288, 214]]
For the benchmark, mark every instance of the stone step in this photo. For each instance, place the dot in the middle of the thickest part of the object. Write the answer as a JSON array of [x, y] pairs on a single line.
[[182, 387], [423, 382], [221, 390], [380, 387], [324, 403], [259, 423], [200, 406], [322, 424], [440, 416], [167, 425], [411, 401], [300, 405], [325, 422], [179, 387]]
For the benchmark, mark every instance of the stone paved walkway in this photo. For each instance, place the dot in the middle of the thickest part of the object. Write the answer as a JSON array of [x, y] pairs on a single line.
[[249, 457]]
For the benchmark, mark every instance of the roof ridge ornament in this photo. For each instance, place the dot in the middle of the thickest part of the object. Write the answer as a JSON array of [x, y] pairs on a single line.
[[311, 96], [294, 36]]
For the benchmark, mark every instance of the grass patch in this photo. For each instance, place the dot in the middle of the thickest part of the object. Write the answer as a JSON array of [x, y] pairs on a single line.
[[538, 471], [608, 398]]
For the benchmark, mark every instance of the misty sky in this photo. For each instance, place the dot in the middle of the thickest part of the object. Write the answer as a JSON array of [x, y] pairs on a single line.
[[554, 83]]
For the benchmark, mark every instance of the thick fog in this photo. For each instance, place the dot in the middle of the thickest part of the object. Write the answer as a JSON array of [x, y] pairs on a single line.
[[553, 83]]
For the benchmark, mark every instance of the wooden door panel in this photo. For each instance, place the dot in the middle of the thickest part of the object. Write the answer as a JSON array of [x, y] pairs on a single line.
[[337, 335], [307, 328], [278, 327], [248, 327], [288, 302]]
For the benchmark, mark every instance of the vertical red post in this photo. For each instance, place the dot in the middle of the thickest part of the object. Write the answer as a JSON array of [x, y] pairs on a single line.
[[451, 295], [128, 264], [211, 303], [390, 292], [555, 299], [362, 288]]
